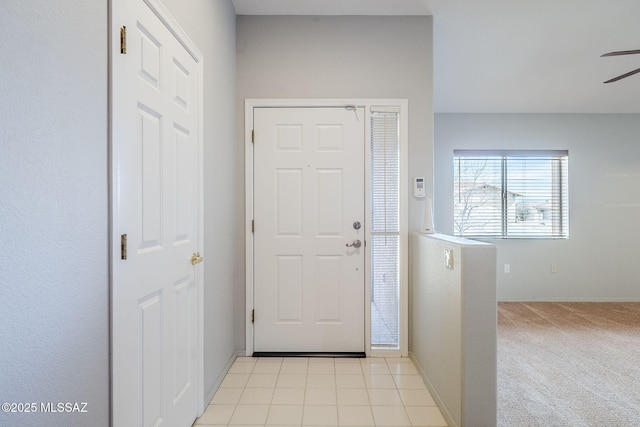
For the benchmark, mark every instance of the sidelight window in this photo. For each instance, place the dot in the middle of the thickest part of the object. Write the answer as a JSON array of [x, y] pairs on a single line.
[[385, 230]]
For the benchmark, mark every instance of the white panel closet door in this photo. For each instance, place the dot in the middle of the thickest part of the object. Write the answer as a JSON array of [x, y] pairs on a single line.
[[308, 193], [156, 196]]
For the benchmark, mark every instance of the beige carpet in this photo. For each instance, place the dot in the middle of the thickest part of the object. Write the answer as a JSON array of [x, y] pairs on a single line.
[[568, 364]]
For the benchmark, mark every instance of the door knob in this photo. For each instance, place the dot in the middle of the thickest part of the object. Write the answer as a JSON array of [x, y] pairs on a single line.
[[196, 258], [355, 244]]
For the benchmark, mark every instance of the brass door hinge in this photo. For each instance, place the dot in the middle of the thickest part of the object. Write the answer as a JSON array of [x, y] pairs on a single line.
[[253, 225], [253, 316], [123, 246], [123, 40], [253, 136]]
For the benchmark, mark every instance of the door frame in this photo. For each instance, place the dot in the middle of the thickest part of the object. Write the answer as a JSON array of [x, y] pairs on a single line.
[[368, 104], [116, 20]]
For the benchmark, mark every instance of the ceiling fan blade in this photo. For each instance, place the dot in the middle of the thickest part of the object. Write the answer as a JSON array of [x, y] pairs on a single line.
[[630, 73], [621, 52]]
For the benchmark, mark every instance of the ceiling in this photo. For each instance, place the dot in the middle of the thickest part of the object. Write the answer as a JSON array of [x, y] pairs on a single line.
[[512, 56]]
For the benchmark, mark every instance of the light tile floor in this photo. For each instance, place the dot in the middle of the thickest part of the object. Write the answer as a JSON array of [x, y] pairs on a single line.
[[322, 392]]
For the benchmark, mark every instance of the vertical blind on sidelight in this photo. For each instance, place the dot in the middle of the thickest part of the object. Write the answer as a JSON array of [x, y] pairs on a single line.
[[511, 194], [385, 229]]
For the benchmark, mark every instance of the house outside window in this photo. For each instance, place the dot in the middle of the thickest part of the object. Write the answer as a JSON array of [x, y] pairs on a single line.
[[511, 194]]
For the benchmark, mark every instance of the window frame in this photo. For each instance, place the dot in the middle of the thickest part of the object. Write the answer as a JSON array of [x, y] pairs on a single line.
[[384, 204], [559, 191], [399, 106]]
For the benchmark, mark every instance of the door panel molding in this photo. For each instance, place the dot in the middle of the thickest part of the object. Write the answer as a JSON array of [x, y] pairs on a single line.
[[308, 193], [188, 142], [368, 104]]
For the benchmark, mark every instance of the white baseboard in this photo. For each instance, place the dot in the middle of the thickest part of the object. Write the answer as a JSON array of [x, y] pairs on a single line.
[[434, 393], [225, 370]]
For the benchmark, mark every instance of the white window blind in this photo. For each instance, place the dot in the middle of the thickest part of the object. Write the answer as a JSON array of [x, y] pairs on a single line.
[[511, 194], [385, 229]]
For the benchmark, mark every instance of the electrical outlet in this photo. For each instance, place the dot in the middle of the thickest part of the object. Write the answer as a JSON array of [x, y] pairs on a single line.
[[507, 268], [554, 268]]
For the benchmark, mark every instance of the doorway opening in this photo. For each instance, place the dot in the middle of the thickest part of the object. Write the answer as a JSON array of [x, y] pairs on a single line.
[[384, 226]]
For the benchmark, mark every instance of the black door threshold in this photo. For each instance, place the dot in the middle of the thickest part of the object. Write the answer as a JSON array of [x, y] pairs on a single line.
[[309, 354]]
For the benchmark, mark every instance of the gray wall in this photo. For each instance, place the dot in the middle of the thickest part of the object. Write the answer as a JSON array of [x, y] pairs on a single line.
[[599, 262], [211, 25], [54, 249], [338, 57], [54, 213]]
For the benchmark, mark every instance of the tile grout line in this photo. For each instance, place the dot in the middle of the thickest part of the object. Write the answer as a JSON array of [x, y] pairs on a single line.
[[368, 387]]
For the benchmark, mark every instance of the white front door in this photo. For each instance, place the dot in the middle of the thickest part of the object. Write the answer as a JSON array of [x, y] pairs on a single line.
[[156, 153], [309, 196]]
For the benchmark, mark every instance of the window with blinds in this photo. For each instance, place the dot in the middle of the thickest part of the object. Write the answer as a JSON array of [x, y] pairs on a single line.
[[511, 194], [385, 230]]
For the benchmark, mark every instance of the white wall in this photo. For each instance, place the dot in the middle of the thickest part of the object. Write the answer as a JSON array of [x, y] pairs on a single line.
[[453, 310], [211, 25], [338, 57], [599, 261], [54, 248], [54, 192]]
